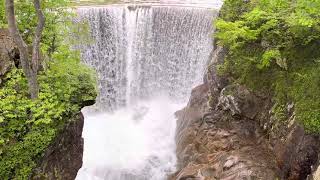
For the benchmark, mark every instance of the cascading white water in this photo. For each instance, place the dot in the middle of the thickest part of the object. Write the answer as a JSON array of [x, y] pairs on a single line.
[[147, 59]]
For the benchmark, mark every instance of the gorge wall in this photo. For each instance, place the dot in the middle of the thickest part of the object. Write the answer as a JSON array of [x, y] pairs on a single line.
[[229, 132]]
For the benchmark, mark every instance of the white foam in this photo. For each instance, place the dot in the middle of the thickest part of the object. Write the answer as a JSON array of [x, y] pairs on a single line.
[[132, 143]]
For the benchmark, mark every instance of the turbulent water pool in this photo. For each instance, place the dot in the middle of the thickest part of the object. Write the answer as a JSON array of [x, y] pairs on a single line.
[[147, 58]]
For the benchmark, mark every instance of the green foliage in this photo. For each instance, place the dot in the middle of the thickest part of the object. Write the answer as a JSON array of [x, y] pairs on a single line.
[[269, 56], [307, 96], [235, 33], [57, 15], [274, 46], [238, 8], [27, 127], [279, 111], [3, 22]]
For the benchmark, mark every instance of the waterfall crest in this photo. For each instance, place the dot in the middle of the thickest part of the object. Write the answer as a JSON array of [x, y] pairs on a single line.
[[147, 60], [140, 52]]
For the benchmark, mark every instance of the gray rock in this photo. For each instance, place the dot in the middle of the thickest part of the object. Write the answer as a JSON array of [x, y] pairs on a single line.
[[239, 101]]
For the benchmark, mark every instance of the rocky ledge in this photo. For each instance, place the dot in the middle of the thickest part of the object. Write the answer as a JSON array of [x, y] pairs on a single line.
[[229, 132]]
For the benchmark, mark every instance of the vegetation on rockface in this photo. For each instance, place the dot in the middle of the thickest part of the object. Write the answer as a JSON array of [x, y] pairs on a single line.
[[273, 46], [27, 127]]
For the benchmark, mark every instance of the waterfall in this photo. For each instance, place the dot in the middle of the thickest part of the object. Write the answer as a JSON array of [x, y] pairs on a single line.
[[147, 59]]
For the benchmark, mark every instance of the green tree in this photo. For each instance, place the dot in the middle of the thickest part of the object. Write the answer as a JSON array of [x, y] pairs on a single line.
[[58, 18], [29, 66], [27, 127], [274, 46]]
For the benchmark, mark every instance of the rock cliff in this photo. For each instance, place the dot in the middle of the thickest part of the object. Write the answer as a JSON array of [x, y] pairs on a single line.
[[229, 132]]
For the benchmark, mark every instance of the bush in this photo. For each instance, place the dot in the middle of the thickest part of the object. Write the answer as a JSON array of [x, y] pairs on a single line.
[[27, 127], [274, 46]]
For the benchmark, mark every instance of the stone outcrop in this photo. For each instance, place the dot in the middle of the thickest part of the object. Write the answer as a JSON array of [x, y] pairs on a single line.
[[211, 144], [229, 132], [63, 158]]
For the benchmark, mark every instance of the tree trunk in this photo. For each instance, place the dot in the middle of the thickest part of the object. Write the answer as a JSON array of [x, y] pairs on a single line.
[[37, 36], [30, 68]]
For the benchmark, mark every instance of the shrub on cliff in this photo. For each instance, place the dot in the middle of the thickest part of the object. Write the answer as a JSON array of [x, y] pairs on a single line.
[[274, 46], [27, 126]]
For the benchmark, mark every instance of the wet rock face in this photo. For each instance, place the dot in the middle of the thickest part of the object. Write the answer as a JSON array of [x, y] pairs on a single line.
[[188, 120], [229, 132], [8, 52], [63, 158]]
